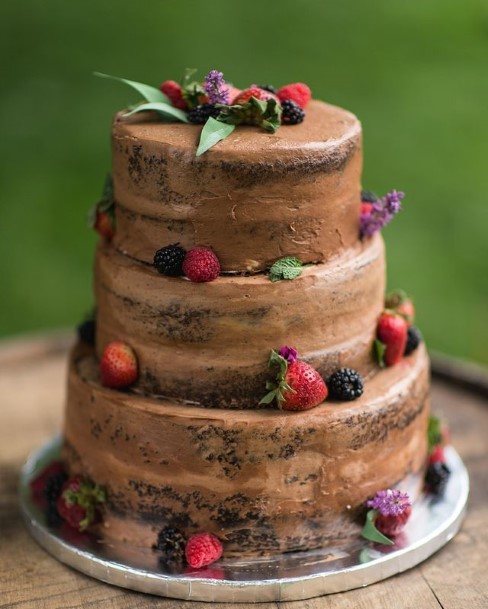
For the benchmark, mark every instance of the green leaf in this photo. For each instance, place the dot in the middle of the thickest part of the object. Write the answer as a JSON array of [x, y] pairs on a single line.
[[192, 90], [165, 110], [149, 93], [289, 267], [434, 432], [371, 533], [212, 133], [268, 398], [105, 203], [379, 352]]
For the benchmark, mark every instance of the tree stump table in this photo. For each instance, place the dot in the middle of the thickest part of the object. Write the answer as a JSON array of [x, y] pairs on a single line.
[[32, 385]]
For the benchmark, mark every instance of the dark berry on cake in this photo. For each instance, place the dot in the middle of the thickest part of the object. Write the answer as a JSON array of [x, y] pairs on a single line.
[[269, 88], [86, 331], [171, 543], [367, 196], [169, 260], [436, 478], [52, 490], [291, 114], [345, 385], [202, 113], [414, 338]]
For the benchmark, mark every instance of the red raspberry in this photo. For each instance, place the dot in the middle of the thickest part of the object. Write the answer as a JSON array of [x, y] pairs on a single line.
[[104, 225], [174, 92], [392, 525], [253, 91], [298, 92], [366, 208], [201, 264], [202, 549], [118, 366], [437, 455]]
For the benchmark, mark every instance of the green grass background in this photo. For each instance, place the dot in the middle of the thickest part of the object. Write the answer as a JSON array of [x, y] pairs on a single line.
[[415, 72]]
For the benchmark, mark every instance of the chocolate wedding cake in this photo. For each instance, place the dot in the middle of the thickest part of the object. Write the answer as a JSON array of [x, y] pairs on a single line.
[[186, 443]]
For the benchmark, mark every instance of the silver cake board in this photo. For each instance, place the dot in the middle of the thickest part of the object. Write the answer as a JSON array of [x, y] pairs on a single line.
[[287, 577]]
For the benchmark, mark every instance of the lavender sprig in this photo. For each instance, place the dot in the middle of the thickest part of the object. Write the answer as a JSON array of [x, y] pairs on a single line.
[[390, 502], [216, 88], [381, 214]]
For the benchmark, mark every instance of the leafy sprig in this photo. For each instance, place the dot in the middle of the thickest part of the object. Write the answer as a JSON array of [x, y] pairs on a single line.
[[379, 349], [288, 267], [276, 389], [371, 533]]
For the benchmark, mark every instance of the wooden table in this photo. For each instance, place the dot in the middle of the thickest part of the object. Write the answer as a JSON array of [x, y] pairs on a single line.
[[32, 373]]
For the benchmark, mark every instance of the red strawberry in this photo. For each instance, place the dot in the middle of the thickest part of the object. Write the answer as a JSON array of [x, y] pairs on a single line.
[[392, 331], [392, 525], [104, 225], [201, 265], [118, 366], [174, 92], [202, 549], [298, 386], [437, 455], [253, 91], [298, 92], [78, 502], [38, 485], [366, 208], [402, 304]]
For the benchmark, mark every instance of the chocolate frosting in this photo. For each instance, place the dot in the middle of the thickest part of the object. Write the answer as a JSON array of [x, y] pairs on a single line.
[[253, 198], [209, 343], [263, 481]]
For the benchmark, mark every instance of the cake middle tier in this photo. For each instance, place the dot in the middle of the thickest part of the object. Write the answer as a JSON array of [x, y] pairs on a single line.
[[208, 344]]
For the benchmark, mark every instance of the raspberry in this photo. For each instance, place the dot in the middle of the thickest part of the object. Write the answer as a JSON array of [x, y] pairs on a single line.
[[298, 92], [414, 338], [202, 113], [169, 260], [174, 92], [201, 265], [366, 208], [437, 455], [292, 114], [345, 385], [436, 478], [202, 549], [391, 525]]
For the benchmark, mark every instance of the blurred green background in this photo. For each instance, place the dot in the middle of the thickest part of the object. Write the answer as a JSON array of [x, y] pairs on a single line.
[[415, 72]]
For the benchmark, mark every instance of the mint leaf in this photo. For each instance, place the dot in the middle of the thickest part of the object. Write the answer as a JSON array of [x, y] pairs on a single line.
[[379, 352], [212, 133], [163, 109], [371, 533], [434, 432], [289, 267], [149, 93]]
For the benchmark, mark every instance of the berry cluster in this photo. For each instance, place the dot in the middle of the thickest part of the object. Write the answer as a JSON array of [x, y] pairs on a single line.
[[438, 472], [200, 550], [199, 264]]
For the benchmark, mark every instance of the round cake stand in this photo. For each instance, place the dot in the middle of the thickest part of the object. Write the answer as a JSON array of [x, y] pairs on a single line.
[[288, 577]]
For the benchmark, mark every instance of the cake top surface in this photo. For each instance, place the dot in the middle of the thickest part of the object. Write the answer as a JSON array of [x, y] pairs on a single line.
[[327, 128]]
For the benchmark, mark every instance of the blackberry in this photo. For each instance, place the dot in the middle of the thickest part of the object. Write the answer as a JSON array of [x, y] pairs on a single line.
[[414, 338], [86, 331], [268, 88], [367, 196], [171, 544], [200, 114], [169, 260], [292, 114], [53, 519], [436, 478], [345, 385], [52, 490]]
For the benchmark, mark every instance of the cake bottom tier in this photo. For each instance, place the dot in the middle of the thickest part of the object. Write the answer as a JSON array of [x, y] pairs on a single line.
[[263, 481]]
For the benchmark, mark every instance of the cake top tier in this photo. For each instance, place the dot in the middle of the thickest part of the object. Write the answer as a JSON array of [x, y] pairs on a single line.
[[329, 133]]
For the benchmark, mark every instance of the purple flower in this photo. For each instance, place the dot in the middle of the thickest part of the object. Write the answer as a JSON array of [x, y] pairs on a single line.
[[216, 88], [391, 502], [381, 213], [288, 353]]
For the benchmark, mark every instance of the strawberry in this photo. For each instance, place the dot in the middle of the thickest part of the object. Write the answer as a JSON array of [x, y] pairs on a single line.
[[104, 225], [201, 265], [79, 501], [298, 385], [391, 525], [437, 455], [392, 332], [118, 366], [202, 549], [253, 91], [174, 93], [402, 304], [298, 92]]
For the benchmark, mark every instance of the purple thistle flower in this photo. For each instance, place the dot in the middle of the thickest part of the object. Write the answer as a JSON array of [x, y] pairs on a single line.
[[381, 213], [216, 88], [288, 353], [391, 502]]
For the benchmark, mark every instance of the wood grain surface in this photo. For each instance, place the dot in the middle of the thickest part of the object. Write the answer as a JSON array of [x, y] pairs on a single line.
[[32, 378]]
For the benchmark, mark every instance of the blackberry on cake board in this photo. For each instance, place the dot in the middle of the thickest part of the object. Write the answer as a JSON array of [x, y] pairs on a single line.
[[169, 260]]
